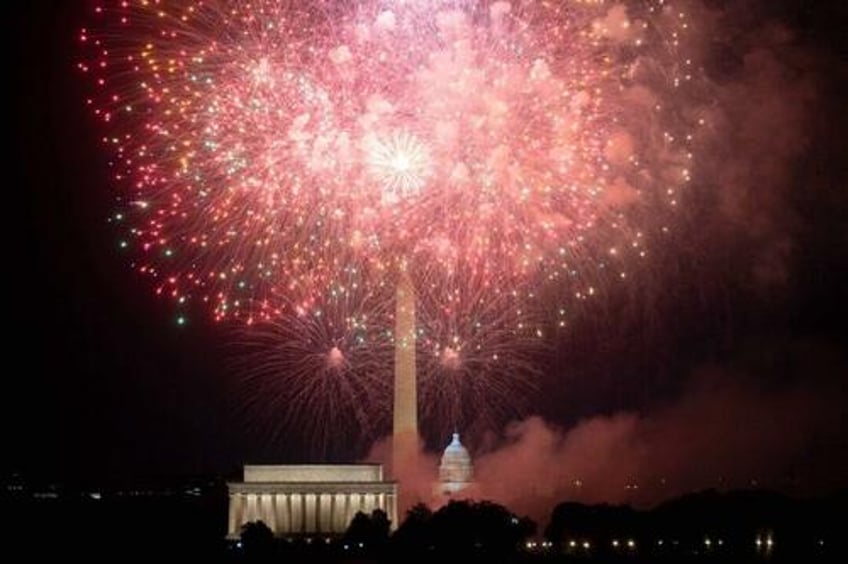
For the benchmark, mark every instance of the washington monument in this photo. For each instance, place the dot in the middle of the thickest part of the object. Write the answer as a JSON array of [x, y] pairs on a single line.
[[405, 428]]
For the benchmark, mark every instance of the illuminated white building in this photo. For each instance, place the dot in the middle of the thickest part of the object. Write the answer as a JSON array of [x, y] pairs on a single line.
[[309, 499], [455, 470]]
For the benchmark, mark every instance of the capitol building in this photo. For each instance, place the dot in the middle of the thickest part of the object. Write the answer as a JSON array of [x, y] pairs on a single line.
[[455, 470]]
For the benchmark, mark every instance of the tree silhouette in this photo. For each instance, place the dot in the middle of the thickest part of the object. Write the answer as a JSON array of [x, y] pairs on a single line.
[[369, 533], [413, 535], [257, 541], [380, 525], [462, 529]]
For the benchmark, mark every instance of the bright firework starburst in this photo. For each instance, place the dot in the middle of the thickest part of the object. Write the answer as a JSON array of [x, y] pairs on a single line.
[[275, 145], [400, 163]]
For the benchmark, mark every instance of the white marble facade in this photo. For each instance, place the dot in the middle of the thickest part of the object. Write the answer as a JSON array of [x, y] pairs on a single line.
[[309, 499]]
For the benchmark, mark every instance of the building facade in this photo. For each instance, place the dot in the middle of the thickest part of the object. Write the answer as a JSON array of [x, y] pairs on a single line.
[[456, 472], [302, 500]]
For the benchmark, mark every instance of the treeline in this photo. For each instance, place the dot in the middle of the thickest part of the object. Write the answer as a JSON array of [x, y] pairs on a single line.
[[745, 526], [731, 527], [458, 531]]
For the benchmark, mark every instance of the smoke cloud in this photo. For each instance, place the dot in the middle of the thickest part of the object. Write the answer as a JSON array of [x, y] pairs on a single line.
[[769, 84], [416, 477], [726, 430]]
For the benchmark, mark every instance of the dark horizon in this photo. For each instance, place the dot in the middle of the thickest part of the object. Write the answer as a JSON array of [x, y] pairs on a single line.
[[741, 323]]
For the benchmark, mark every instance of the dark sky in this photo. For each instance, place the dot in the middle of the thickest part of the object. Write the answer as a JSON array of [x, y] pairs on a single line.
[[101, 384], [101, 381]]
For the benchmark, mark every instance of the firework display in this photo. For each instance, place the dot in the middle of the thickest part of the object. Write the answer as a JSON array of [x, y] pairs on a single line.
[[269, 156], [322, 370]]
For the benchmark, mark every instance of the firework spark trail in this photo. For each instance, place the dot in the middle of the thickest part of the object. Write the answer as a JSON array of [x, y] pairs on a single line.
[[478, 355], [264, 148], [322, 369]]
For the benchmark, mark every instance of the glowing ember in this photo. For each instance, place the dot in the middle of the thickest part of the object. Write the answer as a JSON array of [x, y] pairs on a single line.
[[335, 358]]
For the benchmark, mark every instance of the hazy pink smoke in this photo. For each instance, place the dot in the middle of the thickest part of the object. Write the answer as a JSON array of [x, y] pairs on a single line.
[[416, 480], [726, 431]]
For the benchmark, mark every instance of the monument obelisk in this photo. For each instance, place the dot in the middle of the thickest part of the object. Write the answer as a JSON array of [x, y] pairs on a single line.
[[405, 428]]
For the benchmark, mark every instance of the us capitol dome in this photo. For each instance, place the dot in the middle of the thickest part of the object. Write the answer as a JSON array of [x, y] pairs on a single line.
[[455, 470]]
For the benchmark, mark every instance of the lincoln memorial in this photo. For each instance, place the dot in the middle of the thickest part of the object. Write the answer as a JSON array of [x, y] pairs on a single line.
[[309, 499]]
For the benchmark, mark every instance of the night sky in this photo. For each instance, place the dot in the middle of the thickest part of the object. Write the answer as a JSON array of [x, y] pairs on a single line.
[[744, 314]]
